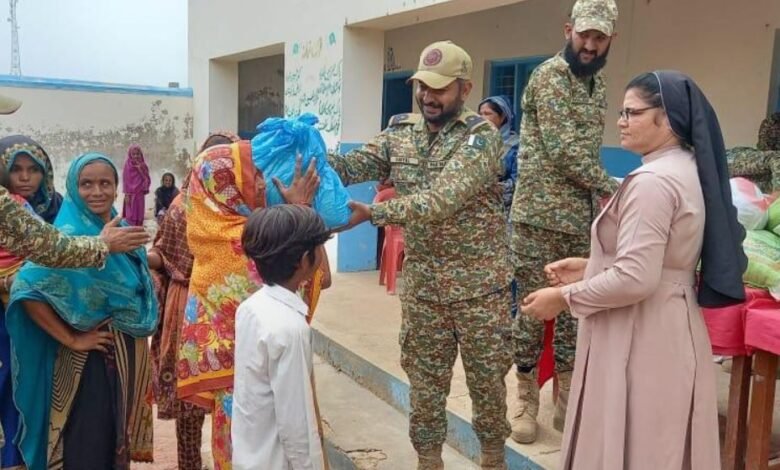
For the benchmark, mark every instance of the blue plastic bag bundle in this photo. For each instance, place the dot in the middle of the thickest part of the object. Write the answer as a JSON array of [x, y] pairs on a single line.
[[274, 150]]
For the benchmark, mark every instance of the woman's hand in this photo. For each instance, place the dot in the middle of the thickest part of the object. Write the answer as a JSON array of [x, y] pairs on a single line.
[[544, 304], [93, 340], [566, 271], [303, 188]]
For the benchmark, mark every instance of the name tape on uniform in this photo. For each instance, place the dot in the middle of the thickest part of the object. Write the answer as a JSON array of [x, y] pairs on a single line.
[[405, 160]]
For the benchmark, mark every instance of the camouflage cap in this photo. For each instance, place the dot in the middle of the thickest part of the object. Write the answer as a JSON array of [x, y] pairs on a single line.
[[600, 15], [441, 63], [8, 105]]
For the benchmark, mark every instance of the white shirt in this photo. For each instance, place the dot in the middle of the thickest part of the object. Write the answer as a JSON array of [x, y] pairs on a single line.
[[274, 423]]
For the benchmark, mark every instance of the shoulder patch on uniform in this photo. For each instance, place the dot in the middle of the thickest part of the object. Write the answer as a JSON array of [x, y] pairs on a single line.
[[405, 118], [474, 121], [477, 141]]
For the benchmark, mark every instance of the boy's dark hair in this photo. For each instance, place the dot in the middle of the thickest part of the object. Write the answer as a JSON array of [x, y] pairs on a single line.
[[276, 237]]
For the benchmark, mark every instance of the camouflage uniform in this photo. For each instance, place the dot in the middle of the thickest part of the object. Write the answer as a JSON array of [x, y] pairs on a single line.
[[560, 179], [27, 237], [759, 166], [456, 270]]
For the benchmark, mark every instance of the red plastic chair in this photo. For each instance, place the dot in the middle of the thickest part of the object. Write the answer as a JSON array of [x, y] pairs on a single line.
[[391, 258]]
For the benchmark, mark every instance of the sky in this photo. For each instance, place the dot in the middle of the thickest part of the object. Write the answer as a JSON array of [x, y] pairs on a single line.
[[139, 42]]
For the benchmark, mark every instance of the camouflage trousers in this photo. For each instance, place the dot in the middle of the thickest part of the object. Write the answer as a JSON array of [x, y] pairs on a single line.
[[431, 334], [532, 249]]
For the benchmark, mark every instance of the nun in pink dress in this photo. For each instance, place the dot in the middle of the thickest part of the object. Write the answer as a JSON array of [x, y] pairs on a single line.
[[643, 393]]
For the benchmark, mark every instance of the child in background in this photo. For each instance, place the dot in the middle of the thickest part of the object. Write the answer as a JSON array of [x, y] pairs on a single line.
[[275, 424]]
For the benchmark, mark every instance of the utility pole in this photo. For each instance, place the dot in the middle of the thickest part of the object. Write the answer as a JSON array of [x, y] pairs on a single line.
[[16, 59]]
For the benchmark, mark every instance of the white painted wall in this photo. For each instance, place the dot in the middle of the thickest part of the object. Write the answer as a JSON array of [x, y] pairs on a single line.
[[313, 80], [726, 46], [222, 98], [216, 39], [69, 123], [531, 28], [362, 91]]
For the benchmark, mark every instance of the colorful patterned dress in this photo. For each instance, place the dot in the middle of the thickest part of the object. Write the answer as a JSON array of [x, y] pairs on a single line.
[[172, 287], [224, 190], [172, 284]]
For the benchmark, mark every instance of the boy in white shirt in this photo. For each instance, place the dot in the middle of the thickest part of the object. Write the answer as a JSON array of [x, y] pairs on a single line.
[[274, 421]]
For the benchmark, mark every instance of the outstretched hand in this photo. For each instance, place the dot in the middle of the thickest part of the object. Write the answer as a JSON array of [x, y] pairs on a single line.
[[303, 187], [360, 213], [123, 239]]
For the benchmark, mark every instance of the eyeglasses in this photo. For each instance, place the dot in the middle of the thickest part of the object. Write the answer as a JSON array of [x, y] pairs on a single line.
[[627, 113]]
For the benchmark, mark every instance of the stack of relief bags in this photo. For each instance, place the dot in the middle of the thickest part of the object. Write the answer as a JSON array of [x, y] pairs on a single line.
[[760, 215]]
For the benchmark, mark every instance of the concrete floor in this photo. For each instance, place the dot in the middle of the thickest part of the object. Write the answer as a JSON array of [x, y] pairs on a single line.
[[165, 447], [372, 433], [359, 314]]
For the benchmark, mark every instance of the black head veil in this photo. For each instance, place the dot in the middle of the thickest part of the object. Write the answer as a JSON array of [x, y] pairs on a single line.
[[722, 259]]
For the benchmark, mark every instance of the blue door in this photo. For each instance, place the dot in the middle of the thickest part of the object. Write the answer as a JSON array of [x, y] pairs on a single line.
[[509, 78], [396, 95]]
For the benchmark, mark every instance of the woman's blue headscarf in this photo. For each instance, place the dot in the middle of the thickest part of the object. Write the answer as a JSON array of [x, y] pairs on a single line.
[[508, 128], [122, 291], [511, 142]]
